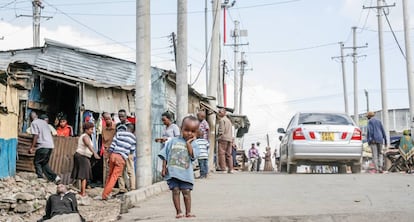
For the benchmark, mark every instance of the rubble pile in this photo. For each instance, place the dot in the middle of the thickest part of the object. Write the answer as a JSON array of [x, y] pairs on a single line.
[[23, 198]]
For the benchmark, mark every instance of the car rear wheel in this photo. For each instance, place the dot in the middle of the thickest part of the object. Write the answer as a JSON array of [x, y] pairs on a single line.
[[342, 169], [356, 168], [292, 168], [282, 167]]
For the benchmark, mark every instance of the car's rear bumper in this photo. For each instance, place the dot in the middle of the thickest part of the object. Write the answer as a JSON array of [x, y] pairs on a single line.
[[351, 152]]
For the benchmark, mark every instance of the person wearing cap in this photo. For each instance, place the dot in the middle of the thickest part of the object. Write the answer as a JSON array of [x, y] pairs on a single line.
[[225, 138], [376, 138], [123, 144], [64, 129]]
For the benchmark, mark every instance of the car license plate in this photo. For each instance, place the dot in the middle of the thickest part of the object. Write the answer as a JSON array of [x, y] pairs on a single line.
[[327, 136]]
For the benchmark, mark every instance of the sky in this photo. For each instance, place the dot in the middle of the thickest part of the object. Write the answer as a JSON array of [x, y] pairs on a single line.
[[289, 53]]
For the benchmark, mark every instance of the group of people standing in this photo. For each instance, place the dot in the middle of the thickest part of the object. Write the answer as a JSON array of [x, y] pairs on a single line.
[[256, 159], [180, 147], [118, 150]]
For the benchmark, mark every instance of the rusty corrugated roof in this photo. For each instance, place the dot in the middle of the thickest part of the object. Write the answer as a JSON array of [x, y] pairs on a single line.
[[87, 66]]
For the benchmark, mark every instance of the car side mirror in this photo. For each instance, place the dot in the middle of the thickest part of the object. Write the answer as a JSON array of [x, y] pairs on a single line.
[[280, 138], [281, 130]]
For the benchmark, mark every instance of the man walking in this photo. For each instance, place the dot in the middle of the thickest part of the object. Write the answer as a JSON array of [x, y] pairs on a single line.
[[129, 164], [376, 138], [42, 146], [253, 156], [225, 137], [123, 144]]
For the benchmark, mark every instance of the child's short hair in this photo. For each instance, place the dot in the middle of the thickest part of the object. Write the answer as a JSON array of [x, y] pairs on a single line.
[[87, 125], [189, 117], [167, 115]]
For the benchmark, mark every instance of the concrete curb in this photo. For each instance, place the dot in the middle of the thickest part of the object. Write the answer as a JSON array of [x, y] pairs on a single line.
[[133, 197]]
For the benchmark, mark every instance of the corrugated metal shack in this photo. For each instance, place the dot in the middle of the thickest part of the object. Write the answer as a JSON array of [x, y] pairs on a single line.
[[61, 78]]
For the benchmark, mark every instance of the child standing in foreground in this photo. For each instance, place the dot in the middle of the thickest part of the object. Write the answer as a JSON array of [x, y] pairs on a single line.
[[203, 146], [177, 168]]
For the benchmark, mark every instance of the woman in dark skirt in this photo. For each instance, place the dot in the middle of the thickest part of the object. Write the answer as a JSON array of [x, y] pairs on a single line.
[[81, 160]]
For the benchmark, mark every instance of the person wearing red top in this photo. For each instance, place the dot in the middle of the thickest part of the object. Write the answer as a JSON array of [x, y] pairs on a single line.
[[64, 129]]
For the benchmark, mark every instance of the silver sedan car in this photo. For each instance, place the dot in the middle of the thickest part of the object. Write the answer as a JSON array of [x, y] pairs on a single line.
[[321, 139]]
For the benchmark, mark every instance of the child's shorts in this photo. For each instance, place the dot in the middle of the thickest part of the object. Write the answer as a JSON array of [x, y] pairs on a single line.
[[174, 182]]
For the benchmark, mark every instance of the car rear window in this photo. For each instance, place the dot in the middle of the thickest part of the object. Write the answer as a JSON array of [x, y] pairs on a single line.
[[324, 118]]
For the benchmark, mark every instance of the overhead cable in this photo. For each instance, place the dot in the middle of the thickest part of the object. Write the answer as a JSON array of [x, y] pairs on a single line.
[[294, 50]]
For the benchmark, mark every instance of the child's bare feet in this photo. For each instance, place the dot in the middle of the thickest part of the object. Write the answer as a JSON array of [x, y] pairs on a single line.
[[189, 215], [179, 215]]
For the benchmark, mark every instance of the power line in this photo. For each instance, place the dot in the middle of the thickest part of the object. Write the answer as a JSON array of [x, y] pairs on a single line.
[[294, 50], [366, 18], [95, 3], [268, 4], [86, 26], [156, 14], [7, 4], [393, 34]]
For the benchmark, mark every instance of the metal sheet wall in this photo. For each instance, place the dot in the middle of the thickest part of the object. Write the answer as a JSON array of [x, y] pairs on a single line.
[[61, 160], [158, 106], [7, 157], [109, 100]]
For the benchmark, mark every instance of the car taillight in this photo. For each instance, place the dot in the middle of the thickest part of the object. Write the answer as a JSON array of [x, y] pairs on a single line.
[[344, 134], [357, 135], [298, 134]]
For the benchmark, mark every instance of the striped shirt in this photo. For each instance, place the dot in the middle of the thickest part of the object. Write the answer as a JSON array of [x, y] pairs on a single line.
[[203, 146], [124, 143]]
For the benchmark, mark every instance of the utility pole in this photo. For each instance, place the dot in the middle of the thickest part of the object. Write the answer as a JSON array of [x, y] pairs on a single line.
[[385, 118], [367, 99], [342, 59], [215, 52], [242, 70], [223, 79], [267, 140], [143, 94], [408, 59], [236, 76], [225, 5], [37, 6], [355, 62], [182, 77], [206, 42], [236, 34], [174, 42], [214, 76], [220, 86]]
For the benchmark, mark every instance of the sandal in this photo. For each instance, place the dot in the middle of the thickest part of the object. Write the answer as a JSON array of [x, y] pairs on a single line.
[[190, 215], [178, 216]]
